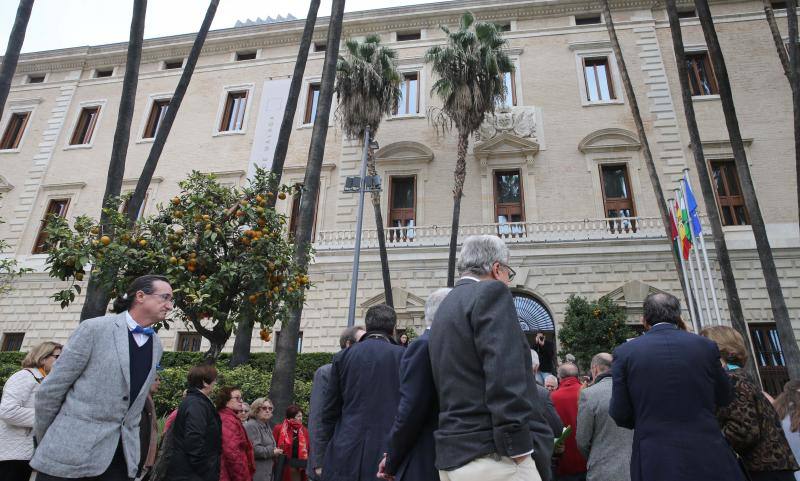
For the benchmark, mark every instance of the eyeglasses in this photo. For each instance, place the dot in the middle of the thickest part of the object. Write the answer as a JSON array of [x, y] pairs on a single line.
[[511, 272], [236, 398], [266, 408], [54, 355], [164, 297]]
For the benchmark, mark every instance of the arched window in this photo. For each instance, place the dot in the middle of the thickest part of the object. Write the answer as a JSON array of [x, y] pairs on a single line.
[[533, 315]]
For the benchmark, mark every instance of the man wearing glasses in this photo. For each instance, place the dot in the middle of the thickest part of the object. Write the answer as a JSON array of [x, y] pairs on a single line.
[[88, 411], [482, 370]]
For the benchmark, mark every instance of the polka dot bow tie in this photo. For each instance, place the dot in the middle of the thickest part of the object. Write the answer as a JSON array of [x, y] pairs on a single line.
[[143, 330]]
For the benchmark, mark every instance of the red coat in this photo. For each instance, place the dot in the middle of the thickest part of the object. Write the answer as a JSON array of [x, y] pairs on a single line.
[[565, 400], [237, 462], [286, 474]]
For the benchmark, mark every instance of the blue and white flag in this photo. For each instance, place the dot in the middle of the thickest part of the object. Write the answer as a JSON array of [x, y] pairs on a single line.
[[691, 205]]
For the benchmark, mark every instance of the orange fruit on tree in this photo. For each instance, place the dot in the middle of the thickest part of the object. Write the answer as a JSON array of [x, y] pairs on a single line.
[[282, 195], [105, 240]]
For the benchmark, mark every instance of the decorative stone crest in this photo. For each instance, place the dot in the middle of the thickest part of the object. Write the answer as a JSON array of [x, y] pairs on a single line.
[[520, 121]]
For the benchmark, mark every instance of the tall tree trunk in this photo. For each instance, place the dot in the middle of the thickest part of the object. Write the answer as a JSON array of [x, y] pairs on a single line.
[[779, 310], [282, 388], [794, 81], [15, 41], [646, 153], [244, 333], [777, 38], [459, 175], [97, 298], [165, 126], [379, 228], [720, 246]]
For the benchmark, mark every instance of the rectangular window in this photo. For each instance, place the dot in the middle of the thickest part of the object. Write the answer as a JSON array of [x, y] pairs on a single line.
[[85, 127], [189, 341], [14, 130], [141, 207], [687, 13], [36, 78], [503, 27], [701, 75], [103, 72], [241, 56], [157, 112], [173, 64], [509, 202], [769, 357], [402, 208], [320, 46], [408, 36], [598, 79], [729, 193], [590, 19], [294, 216], [56, 207], [311, 103], [408, 103], [510, 84], [233, 116], [778, 5], [12, 341], [617, 197]]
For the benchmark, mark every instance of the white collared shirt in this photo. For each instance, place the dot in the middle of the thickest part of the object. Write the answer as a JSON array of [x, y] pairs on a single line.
[[471, 278], [140, 338]]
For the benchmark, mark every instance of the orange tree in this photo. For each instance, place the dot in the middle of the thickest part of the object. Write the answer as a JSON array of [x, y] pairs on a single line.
[[224, 252]]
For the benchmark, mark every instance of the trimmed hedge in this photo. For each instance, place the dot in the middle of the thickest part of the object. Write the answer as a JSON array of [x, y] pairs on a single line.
[[253, 378]]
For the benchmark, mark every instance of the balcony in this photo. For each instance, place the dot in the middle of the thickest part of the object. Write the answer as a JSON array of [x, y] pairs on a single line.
[[513, 233]]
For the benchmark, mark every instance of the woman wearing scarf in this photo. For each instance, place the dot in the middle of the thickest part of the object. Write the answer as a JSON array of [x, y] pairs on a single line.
[[292, 438]]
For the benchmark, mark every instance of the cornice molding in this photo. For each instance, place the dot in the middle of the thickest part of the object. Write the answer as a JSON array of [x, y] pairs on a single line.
[[64, 186]]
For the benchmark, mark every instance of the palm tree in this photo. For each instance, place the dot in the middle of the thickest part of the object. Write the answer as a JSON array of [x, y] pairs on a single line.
[[244, 331], [282, 385], [96, 302], [367, 88], [779, 310], [470, 69], [720, 246], [647, 154], [15, 41]]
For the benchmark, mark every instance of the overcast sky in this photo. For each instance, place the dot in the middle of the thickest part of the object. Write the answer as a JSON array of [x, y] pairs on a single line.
[[72, 23]]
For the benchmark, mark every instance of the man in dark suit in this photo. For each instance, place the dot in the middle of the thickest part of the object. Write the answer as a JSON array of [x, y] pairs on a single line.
[[545, 426], [666, 387], [316, 453], [411, 455], [361, 400], [482, 370]]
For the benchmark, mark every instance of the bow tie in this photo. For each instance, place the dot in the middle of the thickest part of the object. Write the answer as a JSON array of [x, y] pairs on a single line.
[[143, 330]]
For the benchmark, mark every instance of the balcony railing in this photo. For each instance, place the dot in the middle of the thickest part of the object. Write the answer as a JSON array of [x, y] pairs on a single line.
[[513, 233]]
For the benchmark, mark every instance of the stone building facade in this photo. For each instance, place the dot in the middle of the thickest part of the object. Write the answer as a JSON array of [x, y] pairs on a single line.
[[546, 172]]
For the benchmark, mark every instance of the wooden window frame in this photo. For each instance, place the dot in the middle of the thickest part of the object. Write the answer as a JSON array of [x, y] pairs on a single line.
[[404, 86], [609, 77], [729, 201], [614, 200], [190, 338], [7, 346], [693, 71], [87, 120], [402, 233], [11, 141], [312, 87], [41, 236], [154, 119], [513, 92], [227, 113], [295, 211], [498, 206]]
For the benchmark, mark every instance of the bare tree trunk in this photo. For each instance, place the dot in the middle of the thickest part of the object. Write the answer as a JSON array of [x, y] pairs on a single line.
[[720, 247], [244, 333], [459, 175], [376, 205], [97, 298], [165, 126], [282, 388], [779, 310], [646, 153], [15, 41], [794, 81], [777, 38]]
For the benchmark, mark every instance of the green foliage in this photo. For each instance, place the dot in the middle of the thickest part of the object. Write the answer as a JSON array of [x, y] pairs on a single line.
[[470, 70], [226, 255], [591, 327], [8, 267], [12, 357]]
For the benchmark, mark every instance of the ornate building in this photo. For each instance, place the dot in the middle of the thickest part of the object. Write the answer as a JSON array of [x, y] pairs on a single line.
[[557, 171]]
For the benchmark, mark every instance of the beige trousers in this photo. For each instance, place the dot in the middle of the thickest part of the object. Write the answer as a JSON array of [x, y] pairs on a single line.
[[489, 469]]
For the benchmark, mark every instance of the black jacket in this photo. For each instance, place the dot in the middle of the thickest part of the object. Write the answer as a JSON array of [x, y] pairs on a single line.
[[545, 426], [482, 370], [411, 453], [360, 402], [667, 385], [316, 452], [197, 441]]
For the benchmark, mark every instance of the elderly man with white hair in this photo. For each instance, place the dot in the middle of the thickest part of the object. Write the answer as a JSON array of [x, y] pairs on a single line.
[[482, 369], [411, 453]]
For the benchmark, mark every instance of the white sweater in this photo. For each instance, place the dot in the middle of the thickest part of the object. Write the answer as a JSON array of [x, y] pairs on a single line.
[[16, 415]]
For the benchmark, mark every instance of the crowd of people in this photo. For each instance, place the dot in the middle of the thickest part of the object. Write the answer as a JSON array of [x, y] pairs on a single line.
[[469, 400]]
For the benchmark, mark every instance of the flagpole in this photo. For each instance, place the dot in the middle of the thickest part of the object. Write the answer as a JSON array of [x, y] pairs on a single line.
[[685, 278], [697, 261]]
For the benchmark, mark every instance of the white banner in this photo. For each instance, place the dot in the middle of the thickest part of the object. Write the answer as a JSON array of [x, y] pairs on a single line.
[[268, 125]]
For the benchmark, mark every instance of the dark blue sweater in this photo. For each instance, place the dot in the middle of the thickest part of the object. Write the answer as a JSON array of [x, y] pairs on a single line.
[[141, 361]]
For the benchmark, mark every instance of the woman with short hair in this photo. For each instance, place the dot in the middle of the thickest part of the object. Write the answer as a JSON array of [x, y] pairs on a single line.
[[260, 434], [237, 463], [17, 411], [749, 422], [787, 404]]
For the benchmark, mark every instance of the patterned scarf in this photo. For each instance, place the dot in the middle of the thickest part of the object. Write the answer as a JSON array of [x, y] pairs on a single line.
[[288, 430]]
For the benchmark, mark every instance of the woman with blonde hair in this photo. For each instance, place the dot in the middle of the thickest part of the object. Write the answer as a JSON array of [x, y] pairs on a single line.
[[260, 434], [16, 410], [749, 422], [787, 404]]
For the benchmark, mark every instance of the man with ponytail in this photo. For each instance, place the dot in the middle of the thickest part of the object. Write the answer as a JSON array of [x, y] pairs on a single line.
[[89, 409]]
